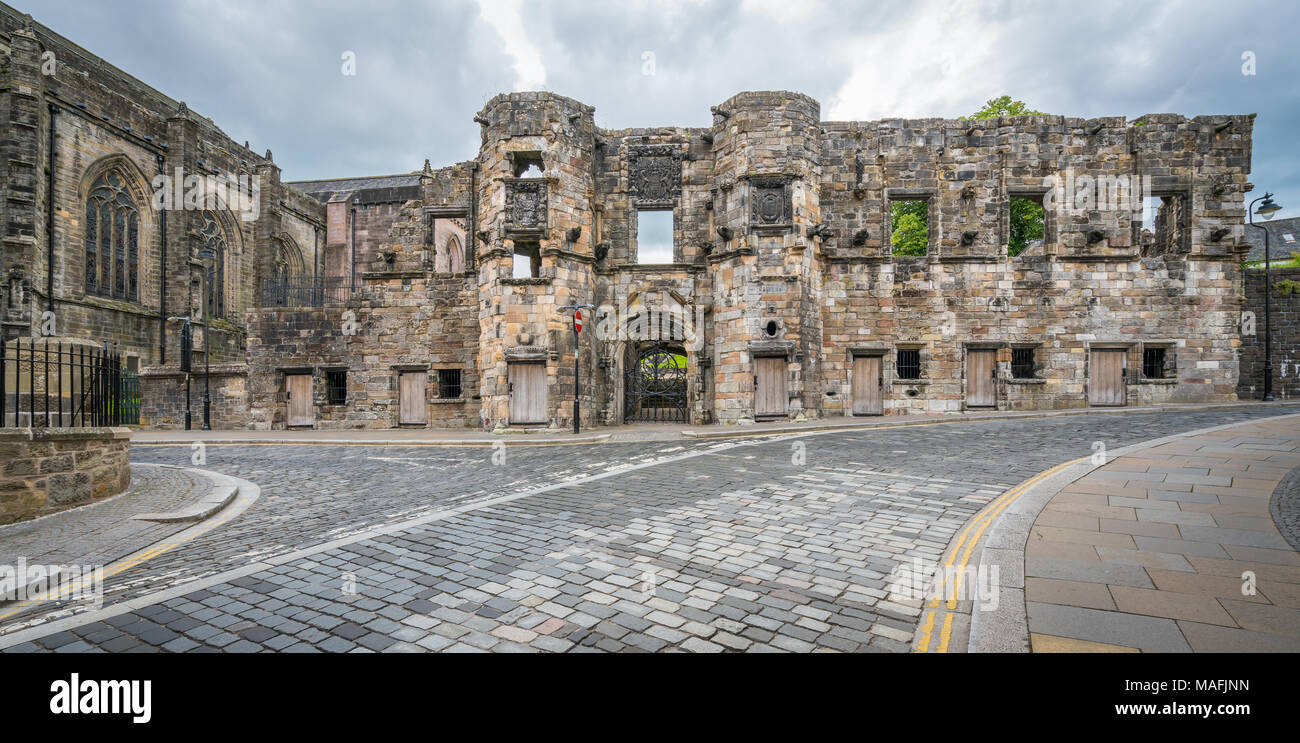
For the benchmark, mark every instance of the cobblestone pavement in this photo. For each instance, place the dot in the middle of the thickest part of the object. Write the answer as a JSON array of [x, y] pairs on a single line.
[[759, 544], [100, 533], [1285, 508], [1152, 551]]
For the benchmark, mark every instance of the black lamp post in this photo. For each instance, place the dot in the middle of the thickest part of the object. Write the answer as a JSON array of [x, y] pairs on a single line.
[[210, 268], [577, 348], [187, 347], [1266, 210]]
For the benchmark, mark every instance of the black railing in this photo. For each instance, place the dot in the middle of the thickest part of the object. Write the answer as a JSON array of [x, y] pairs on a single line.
[[130, 398], [55, 385], [305, 291]]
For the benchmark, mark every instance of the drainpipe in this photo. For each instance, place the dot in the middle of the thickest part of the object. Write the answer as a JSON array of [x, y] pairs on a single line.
[[352, 247], [162, 275], [49, 219]]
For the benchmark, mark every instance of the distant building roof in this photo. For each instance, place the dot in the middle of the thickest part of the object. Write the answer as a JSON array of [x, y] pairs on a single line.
[[370, 190], [1279, 246]]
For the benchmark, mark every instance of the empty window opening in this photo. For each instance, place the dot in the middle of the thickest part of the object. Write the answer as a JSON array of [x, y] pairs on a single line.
[[1162, 231], [528, 164], [527, 261], [1153, 363], [654, 237], [1025, 224], [449, 384], [447, 237], [909, 226], [336, 385], [1022, 363], [909, 363]]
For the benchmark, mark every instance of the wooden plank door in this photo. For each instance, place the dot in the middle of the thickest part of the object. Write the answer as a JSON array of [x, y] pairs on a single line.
[[1106, 376], [411, 407], [868, 386], [302, 411], [770, 395], [981, 390], [527, 393]]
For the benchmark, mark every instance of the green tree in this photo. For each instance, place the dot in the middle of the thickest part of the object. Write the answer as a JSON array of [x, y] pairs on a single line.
[[1002, 106], [909, 227]]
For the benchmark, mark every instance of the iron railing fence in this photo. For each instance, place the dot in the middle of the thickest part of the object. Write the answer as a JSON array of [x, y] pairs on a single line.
[[306, 291], [47, 384]]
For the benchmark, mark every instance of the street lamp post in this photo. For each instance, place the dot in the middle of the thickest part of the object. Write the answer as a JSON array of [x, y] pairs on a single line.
[[576, 349], [187, 346], [1266, 210]]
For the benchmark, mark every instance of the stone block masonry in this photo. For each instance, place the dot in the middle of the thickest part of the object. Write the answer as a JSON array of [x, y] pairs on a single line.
[[1285, 301], [49, 469]]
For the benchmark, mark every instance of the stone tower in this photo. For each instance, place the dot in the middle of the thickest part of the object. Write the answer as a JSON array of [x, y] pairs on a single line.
[[535, 221]]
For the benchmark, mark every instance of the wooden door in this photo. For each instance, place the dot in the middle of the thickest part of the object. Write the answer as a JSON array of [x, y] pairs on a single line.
[[527, 393], [770, 396], [1106, 376], [981, 375], [302, 410], [411, 407], [868, 386]]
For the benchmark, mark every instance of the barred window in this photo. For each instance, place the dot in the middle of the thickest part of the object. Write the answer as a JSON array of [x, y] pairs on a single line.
[[449, 383], [1022, 363], [909, 363], [112, 233], [1153, 363], [336, 384]]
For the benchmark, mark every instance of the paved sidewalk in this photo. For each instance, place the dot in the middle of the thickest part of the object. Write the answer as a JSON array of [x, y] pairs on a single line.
[[1155, 551], [633, 432], [99, 533]]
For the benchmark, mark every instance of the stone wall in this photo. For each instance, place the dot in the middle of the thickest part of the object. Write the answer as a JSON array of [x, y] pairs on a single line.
[[1286, 337], [50, 469], [162, 397]]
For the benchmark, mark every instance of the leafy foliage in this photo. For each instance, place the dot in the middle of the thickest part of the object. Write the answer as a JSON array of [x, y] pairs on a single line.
[[909, 227], [1002, 106], [1026, 224]]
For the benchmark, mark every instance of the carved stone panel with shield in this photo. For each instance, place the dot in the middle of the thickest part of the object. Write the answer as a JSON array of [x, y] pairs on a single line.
[[770, 204], [526, 204], [656, 176]]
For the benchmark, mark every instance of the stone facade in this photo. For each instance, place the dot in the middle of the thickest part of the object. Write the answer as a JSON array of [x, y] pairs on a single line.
[[48, 470], [444, 296]]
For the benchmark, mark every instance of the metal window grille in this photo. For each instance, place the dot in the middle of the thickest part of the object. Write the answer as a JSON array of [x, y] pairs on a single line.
[[1022, 363], [336, 383], [1153, 363], [449, 383], [909, 363]]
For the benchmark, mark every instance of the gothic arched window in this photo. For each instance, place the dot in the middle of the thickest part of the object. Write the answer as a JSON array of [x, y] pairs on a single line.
[[112, 239], [455, 255], [214, 254]]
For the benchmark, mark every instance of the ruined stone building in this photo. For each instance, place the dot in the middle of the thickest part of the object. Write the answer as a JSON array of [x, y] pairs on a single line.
[[736, 272]]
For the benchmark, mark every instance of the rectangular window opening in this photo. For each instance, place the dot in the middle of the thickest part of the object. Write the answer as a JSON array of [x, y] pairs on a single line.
[[654, 237], [909, 226], [527, 261], [909, 363], [1025, 224], [449, 384], [1153, 363], [336, 381], [1022, 363]]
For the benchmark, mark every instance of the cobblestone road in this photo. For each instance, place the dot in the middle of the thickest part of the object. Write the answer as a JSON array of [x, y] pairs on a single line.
[[756, 545]]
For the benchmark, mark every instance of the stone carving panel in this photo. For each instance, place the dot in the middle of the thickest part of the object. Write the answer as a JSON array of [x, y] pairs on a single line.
[[526, 204], [770, 203], [656, 175]]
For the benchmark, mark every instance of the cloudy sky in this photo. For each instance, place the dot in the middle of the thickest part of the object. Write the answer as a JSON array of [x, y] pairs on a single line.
[[270, 71]]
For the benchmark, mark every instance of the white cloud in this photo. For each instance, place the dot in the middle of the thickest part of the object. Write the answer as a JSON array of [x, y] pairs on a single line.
[[940, 55], [504, 18]]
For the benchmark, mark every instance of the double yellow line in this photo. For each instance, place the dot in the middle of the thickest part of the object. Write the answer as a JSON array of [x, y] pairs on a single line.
[[959, 556]]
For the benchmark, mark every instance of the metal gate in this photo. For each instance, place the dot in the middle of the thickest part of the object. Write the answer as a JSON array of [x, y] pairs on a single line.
[[654, 388], [130, 401]]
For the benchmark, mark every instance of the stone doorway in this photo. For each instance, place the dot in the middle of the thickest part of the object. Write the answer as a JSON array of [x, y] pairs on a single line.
[[655, 386]]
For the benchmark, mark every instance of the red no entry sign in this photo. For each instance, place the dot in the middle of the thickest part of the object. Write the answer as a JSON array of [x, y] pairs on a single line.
[[577, 321]]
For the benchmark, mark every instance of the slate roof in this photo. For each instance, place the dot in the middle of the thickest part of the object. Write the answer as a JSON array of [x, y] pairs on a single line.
[[1278, 247], [371, 190]]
